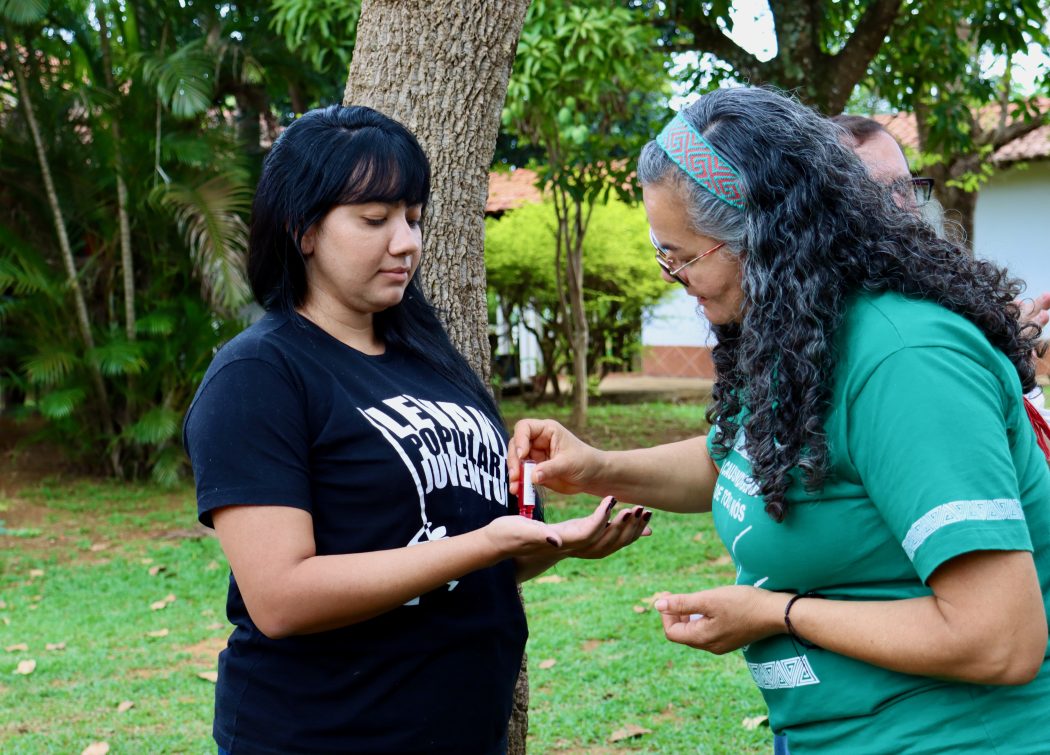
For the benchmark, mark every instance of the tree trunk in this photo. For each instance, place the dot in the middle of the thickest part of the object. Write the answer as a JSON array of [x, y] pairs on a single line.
[[127, 262], [580, 332], [80, 306], [441, 67]]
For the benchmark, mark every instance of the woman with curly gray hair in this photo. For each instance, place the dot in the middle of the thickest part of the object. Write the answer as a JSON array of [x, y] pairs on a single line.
[[869, 444]]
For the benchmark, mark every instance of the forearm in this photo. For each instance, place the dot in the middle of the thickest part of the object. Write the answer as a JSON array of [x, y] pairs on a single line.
[[678, 477], [529, 567], [318, 593], [924, 636]]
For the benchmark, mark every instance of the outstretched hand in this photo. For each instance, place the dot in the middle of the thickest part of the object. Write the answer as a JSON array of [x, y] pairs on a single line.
[[595, 536], [723, 619]]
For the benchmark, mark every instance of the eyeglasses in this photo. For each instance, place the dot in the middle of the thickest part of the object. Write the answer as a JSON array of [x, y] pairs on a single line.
[[920, 189], [666, 262]]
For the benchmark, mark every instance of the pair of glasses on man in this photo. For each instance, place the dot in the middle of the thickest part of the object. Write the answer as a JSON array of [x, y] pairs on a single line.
[[918, 189], [666, 261]]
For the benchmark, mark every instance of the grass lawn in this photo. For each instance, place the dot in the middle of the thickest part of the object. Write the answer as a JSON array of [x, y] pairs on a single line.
[[113, 600]]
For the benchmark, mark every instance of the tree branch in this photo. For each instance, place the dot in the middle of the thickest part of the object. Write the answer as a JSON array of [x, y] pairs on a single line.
[[850, 64]]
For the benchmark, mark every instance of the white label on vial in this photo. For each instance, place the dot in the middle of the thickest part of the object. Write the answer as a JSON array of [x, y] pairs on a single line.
[[529, 491]]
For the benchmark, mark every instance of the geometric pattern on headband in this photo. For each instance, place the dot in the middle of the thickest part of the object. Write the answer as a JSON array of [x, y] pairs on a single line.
[[693, 154]]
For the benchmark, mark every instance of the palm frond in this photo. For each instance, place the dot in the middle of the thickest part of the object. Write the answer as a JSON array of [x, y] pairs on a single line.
[[119, 357], [61, 404], [210, 217], [155, 426], [49, 366], [184, 79], [22, 12]]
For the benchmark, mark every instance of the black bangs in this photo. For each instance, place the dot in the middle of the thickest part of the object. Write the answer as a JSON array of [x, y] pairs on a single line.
[[385, 170]]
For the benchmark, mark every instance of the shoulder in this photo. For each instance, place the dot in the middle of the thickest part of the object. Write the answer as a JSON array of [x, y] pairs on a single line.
[[878, 326]]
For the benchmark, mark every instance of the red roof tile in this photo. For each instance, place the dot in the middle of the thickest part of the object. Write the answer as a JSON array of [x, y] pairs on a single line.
[[510, 190]]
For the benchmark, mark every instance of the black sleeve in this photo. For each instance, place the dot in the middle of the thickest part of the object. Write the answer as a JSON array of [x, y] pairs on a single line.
[[247, 437]]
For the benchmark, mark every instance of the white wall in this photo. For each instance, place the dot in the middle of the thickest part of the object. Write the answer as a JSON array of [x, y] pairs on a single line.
[[676, 322], [1012, 224]]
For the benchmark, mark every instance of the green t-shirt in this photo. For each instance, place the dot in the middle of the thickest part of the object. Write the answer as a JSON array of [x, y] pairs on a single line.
[[931, 456]]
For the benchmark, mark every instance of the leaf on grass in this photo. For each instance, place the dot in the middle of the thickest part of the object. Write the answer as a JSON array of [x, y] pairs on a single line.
[[698, 537], [550, 579], [96, 547], [724, 560], [20, 647], [209, 676], [55, 646], [547, 663], [630, 731], [212, 566], [96, 748], [3, 605], [36, 598], [215, 625], [155, 570], [159, 605], [639, 609], [753, 722], [145, 560], [158, 633], [26, 667], [125, 706], [36, 572]]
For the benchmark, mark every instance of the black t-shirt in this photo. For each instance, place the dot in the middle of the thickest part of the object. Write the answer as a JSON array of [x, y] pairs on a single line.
[[384, 453]]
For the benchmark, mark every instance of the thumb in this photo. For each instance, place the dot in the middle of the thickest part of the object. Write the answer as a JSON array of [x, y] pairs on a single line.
[[679, 605]]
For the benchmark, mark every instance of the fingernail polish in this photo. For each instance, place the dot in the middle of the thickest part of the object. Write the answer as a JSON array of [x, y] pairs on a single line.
[[612, 502], [637, 513], [647, 515], [552, 541]]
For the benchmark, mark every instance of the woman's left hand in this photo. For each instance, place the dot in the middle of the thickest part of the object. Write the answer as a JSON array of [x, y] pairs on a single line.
[[595, 536], [723, 619]]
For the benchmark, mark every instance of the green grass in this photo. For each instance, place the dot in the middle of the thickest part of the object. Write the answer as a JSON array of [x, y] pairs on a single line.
[[75, 567]]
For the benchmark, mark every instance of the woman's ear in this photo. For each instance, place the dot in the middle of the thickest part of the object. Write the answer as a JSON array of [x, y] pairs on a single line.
[[309, 240]]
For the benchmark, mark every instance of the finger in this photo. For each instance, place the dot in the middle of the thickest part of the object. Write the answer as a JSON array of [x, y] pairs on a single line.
[[527, 433], [680, 605]]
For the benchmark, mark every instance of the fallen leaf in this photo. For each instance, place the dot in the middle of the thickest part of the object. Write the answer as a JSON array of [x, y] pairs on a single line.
[[208, 612], [630, 731], [550, 579], [26, 667], [96, 547], [36, 598], [125, 706], [698, 537], [33, 607], [724, 560], [55, 646], [547, 663], [158, 633], [3, 605], [96, 748], [7, 621], [170, 598], [158, 605], [215, 625], [209, 676], [753, 722], [212, 566], [36, 572], [639, 609], [21, 647], [145, 560], [155, 570]]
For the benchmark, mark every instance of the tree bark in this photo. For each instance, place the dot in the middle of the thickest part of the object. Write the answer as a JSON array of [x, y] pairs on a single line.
[[441, 67]]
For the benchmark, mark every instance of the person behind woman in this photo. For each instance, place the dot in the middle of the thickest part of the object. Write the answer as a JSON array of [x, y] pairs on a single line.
[[886, 163], [869, 445], [354, 469]]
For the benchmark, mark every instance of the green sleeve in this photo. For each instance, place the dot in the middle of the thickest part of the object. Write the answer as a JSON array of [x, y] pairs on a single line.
[[928, 437]]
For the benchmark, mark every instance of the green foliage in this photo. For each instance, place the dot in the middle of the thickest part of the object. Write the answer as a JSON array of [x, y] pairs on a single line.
[[620, 281], [193, 83], [323, 30]]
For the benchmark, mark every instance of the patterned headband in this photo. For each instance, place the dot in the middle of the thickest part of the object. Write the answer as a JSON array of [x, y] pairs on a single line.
[[698, 159]]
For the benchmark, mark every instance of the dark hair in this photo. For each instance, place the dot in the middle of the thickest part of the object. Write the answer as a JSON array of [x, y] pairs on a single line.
[[860, 127], [335, 156], [816, 230]]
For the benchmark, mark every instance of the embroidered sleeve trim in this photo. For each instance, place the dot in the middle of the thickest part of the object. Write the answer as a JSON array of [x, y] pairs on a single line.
[[959, 511]]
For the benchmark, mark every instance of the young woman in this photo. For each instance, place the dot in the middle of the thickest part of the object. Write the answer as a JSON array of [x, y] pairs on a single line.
[[871, 466], [354, 469]]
